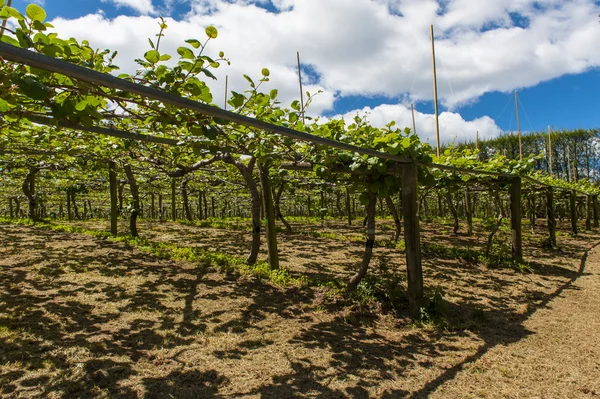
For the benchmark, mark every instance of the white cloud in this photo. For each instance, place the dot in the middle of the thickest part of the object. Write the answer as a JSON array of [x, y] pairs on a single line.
[[374, 47], [144, 7], [453, 128]]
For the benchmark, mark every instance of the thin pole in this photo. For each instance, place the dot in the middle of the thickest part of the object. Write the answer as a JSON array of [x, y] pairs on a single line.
[[435, 96], [477, 140], [226, 89], [550, 149], [4, 22], [412, 109], [300, 82], [519, 126]]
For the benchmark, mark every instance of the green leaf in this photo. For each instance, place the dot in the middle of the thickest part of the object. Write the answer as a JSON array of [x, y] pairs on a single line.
[[152, 56], [249, 80], [265, 72], [33, 89], [35, 12], [185, 53], [10, 40], [273, 94], [165, 57], [211, 32], [8, 12], [80, 106], [37, 25], [194, 43]]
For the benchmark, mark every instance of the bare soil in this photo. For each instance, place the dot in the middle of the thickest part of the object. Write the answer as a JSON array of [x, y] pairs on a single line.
[[87, 317]]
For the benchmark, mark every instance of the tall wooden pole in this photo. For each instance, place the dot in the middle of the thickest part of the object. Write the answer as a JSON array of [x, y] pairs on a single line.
[[550, 150], [435, 96], [226, 90], [300, 82], [477, 140], [515, 219], [550, 216], [112, 178], [412, 238], [4, 22], [412, 110], [519, 126]]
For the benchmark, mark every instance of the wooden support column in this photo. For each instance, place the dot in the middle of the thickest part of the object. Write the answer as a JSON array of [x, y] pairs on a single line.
[[515, 219], [161, 209], [468, 211], [595, 210], [588, 212], [573, 208], [114, 211], [550, 215], [173, 200], [348, 208], [412, 238], [152, 207], [265, 182]]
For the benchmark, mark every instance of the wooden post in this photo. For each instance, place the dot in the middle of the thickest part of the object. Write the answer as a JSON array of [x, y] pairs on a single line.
[[573, 206], [11, 212], [519, 126], [412, 110], [588, 212], [152, 207], [173, 200], [435, 96], [515, 219], [161, 209], [300, 82], [477, 140], [226, 89], [595, 210], [69, 216], [267, 196], [550, 215], [550, 150], [212, 204], [412, 238], [348, 208], [468, 211], [112, 178]]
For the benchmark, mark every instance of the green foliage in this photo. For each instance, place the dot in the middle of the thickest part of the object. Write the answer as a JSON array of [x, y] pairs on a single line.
[[435, 308]]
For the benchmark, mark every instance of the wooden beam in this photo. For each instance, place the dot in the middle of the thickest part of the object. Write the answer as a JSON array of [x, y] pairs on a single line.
[[588, 212], [550, 217], [595, 210], [573, 208], [112, 178], [412, 238], [515, 219], [267, 196]]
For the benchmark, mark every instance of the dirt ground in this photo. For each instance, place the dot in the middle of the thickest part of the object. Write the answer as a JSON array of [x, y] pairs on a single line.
[[87, 317]]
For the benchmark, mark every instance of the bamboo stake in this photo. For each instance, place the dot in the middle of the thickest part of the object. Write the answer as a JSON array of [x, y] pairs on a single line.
[[225, 100], [519, 126], [435, 95], [412, 110], [300, 82]]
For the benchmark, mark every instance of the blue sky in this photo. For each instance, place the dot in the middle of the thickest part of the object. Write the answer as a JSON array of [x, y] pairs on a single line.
[[557, 81]]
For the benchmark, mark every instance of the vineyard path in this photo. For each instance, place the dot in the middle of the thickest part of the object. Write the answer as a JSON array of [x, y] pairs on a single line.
[[559, 359]]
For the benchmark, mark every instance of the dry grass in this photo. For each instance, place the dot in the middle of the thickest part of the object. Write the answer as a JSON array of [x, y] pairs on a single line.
[[86, 317]]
